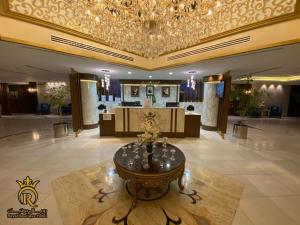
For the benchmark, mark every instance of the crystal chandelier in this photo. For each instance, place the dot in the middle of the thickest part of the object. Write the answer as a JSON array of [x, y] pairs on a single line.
[[105, 82], [191, 83], [146, 27]]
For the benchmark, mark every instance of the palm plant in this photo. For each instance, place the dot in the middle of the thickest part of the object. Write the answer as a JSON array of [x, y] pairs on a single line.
[[57, 96], [247, 100]]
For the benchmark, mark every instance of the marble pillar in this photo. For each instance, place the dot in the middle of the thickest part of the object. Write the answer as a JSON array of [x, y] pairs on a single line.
[[209, 117], [89, 99]]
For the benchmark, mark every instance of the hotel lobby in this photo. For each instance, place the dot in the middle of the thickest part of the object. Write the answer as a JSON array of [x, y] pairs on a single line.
[[130, 112]]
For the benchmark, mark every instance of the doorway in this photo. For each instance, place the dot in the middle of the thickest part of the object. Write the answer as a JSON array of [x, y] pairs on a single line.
[[294, 104], [21, 100]]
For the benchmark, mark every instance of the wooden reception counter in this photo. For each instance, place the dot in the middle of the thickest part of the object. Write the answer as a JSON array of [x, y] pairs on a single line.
[[172, 122]]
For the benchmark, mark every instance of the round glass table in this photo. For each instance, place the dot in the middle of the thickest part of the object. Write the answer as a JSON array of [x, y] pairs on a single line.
[[157, 171]]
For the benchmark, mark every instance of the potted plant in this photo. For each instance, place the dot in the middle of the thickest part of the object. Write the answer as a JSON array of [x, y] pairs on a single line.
[[247, 101], [57, 94]]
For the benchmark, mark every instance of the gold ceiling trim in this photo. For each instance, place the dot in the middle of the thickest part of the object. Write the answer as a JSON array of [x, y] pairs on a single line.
[[249, 50], [272, 78], [5, 10], [268, 22], [180, 64]]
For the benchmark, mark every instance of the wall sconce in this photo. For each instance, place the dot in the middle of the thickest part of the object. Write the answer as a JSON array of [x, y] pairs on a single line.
[[272, 87], [32, 90], [279, 87], [248, 92], [263, 87]]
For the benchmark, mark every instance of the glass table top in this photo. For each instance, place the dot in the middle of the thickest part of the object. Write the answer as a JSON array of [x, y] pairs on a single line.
[[165, 158]]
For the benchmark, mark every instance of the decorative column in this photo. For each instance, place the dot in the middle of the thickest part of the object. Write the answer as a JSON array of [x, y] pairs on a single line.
[[209, 117], [89, 101]]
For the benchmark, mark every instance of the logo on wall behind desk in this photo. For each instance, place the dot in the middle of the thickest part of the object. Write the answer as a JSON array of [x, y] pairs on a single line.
[[27, 196]]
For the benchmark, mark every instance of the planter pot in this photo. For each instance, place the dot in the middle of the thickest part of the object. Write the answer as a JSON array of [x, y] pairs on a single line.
[[60, 129], [240, 131]]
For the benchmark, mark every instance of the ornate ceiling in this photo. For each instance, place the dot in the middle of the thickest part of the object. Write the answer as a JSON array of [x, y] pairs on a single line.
[[151, 28]]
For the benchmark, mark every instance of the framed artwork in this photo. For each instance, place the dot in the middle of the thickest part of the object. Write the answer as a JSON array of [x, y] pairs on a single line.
[[150, 90], [165, 91], [13, 94], [135, 91]]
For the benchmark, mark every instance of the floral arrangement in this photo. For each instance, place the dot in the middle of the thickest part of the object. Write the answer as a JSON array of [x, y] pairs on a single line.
[[151, 131]]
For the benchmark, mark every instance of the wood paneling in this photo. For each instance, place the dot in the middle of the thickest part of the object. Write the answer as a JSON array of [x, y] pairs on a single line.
[[76, 101], [192, 125], [294, 103], [90, 126], [224, 105], [107, 127], [21, 100], [75, 89]]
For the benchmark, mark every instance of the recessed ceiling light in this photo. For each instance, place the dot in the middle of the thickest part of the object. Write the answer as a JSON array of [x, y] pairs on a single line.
[[150, 76], [170, 73], [129, 72]]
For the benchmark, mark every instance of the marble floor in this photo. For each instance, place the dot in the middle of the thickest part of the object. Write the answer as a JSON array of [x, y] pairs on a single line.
[[267, 163]]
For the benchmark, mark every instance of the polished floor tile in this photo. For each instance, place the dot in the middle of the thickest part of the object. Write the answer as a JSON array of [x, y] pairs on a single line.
[[267, 163], [290, 205], [268, 185], [263, 211], [241, 218], [208, 198], [292, 181]]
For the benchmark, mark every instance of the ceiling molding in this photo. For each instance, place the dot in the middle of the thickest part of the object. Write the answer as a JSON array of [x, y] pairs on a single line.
[[4, 10]]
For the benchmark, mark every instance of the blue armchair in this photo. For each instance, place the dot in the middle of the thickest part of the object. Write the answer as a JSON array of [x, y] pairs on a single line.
[[43, 108], [275, 111], [66, 109]]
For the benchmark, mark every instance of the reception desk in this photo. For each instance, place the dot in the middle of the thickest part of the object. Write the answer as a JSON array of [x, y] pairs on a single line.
[[172, 122], [130, 119]]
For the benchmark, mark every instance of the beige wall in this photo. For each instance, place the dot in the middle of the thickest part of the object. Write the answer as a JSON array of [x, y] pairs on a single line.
[[41, 91], [279, 95]]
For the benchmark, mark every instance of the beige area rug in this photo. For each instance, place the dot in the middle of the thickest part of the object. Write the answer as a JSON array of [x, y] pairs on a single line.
[[97, 196]]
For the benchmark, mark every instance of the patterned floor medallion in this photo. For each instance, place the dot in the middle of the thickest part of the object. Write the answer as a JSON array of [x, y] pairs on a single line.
[[147, 194], [97, 196]]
